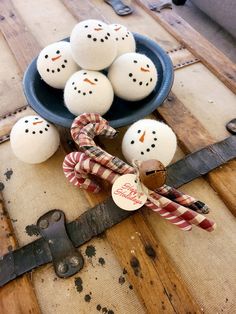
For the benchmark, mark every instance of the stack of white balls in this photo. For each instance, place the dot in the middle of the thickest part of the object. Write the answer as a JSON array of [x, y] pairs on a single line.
[[95, 46]]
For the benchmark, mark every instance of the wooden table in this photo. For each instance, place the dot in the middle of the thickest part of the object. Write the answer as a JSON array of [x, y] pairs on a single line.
[[187, 272]]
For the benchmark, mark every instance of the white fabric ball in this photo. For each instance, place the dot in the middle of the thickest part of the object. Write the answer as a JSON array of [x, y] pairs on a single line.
[[133, 76], [93, 45], [34, 140], [149, 139], [88, 91], [124, 39], [55, 64]]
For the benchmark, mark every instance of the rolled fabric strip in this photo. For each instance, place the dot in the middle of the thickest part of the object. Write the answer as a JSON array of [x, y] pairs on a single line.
[[78, 178], [83, 130], [183, 199], [183, 212]]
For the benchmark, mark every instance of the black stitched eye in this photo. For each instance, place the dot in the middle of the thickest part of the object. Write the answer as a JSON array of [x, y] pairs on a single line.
[[139, 131], [84, 73], [95, 80], [58, 51], [135, 61], [36, 118], [132, 142], [86, 26], [153, 132], [147, 66], [73, 83], [26, 121], [100, 25], [46, 56], [142, 153]]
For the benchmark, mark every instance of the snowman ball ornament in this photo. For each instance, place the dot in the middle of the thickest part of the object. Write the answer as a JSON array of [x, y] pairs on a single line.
[[93, 45], [88, 91], [149, 139], [55, 64], [133, 76], [124, 39], [34, 140]]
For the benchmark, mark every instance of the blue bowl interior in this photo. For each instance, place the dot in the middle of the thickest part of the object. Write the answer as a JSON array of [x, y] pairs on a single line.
[[48, 102]]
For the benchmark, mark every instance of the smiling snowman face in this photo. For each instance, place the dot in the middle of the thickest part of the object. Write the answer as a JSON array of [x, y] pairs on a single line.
[[33, 139], [124, 38], [149, 139], [133, 76], [88, 91], [55, 64], [93, 45]]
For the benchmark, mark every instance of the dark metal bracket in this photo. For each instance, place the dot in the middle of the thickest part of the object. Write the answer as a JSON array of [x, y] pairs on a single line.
[[67, 260]]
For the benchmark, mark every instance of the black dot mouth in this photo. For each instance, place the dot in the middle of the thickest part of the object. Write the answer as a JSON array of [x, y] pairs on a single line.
[[102, 40], [63, 66]]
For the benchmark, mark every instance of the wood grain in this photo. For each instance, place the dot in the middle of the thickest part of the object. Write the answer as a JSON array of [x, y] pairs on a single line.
[[149, 268], [17, 296], [200, 47], [193, 136], [23, 45]]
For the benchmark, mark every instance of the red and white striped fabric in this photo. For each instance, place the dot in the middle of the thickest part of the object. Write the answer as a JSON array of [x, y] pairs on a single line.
[[77, 167]]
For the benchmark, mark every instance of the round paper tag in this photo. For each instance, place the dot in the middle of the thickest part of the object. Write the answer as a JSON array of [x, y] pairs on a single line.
[[125, 193]]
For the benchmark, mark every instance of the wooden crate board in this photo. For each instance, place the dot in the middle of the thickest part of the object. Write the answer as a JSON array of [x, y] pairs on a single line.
[[209, 100], [51, 10], [10, 79]]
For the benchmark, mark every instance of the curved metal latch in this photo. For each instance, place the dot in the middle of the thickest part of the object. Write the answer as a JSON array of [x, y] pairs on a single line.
[[67, 260]]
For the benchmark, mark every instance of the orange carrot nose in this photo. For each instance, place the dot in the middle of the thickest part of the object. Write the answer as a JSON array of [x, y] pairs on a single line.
[[55, 58], [98, 29], [141, 139], [34, 123], [88, 81], [144, 70]]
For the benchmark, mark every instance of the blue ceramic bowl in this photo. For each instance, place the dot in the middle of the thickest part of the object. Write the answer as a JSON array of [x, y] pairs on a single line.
[[48, 102]]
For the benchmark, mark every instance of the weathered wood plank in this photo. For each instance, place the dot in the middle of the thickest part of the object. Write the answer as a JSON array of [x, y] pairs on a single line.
[[15, 32], [210, 56], [17, 296], [149, 268], [193, 136]]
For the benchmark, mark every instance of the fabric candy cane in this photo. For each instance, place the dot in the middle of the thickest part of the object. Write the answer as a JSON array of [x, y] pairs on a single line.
[[77, 166]]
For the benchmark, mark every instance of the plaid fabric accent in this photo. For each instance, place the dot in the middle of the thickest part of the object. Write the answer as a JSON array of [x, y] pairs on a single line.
[[183, 199], [84, 128], [96, 161], [77, 166], [183, 212]]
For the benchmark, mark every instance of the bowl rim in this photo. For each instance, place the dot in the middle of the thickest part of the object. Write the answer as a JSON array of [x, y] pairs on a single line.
[[154, 103]]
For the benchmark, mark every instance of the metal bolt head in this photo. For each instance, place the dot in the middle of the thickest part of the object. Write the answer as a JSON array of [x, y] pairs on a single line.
[[74, 261], [62, 268], [56, 216], [43, 224]]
